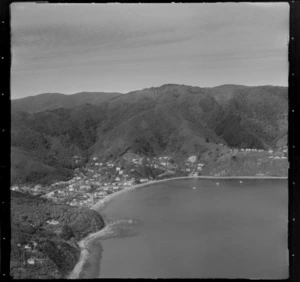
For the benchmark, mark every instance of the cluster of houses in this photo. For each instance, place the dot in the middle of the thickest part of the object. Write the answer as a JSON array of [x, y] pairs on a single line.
[[30, 248], [252, 150], [98, 179]]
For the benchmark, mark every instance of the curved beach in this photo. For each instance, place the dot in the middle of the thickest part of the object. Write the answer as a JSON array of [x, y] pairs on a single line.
[[83, 244]]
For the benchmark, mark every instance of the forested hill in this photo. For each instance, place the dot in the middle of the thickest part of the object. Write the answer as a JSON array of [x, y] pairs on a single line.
[[177, 120], [51, 247], [49, 101]]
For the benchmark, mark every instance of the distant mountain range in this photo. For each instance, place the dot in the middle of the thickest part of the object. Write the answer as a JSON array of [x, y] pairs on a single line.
[[48, 101], [47, 130]]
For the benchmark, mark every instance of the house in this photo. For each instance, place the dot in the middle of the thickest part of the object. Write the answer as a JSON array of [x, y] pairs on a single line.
[[53, 222], [118, 179], [27, 247], [192, 159], [94, 159], [31, 261], [121, 172], [270, 151], [143, 180], [118, 169]]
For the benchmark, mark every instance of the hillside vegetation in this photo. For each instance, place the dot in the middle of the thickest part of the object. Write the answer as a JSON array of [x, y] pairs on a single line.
[[175, 120], [52, 247], [50, 101]]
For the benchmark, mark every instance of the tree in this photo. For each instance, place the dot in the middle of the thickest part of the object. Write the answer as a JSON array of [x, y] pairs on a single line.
[[67, 232]]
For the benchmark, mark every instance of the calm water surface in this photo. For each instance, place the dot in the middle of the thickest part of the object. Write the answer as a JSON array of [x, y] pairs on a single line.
[[234, 230]]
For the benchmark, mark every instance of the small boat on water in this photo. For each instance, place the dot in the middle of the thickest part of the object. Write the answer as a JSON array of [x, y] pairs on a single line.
[[241, 181], [218, 183], [194, 188]]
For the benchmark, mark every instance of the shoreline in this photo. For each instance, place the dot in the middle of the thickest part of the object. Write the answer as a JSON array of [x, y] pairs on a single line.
[[101, 204], [83, 244], [84, 252]]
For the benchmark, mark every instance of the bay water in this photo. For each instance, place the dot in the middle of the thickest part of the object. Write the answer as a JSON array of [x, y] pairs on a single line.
[[194, 228]]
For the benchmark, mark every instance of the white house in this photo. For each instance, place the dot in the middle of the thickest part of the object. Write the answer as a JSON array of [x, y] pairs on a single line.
[[31, 261], [192, 159], [53, 222], [28, 247]]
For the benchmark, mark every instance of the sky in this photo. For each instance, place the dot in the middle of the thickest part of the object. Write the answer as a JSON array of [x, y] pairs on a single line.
[[70, 48]]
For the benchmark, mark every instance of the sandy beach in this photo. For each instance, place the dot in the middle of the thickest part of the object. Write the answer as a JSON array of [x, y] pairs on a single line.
[[83, 244]]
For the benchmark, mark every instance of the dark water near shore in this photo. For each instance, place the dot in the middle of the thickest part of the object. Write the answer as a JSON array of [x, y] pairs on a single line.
[[234, 230]]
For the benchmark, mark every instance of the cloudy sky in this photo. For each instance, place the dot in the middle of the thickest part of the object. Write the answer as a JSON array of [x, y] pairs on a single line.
[[69, 48]]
